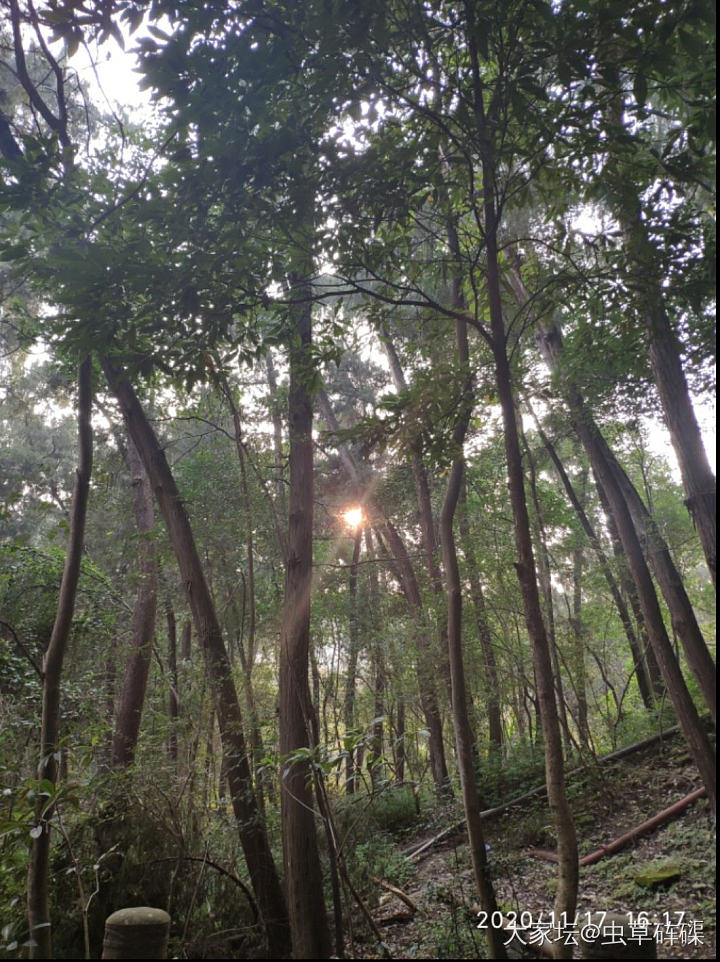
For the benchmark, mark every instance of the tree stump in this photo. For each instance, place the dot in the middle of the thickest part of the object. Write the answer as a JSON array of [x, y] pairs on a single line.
[[609, 935], [136, 933]]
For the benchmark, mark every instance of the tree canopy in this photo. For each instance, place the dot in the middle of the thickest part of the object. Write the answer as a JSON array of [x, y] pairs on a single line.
[[378, 306]]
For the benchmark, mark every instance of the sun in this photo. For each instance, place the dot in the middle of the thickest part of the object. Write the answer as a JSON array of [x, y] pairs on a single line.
[[353, 517]]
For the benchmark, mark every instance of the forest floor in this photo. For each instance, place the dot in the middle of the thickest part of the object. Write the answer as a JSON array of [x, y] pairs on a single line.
[[607, 803]]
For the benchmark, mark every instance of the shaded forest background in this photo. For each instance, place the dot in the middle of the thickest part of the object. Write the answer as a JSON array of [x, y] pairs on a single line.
[[328, 490]]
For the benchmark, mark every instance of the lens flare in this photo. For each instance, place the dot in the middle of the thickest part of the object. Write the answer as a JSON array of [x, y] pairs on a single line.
[[353, 517]]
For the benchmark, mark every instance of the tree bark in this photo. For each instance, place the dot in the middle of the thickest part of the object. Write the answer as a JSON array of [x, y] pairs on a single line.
[[597, 451], [464, 738], [568, 871], [641, 671], [545, 580], [379, 667], [350, 675], [174, 700], [491, 681], [298, 723], [663, 346], [137, 665], [38, 894], [549, 339], [253, 836], [630, 591]]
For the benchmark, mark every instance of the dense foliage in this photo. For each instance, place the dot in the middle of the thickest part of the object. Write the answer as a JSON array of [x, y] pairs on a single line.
[[493, 214]]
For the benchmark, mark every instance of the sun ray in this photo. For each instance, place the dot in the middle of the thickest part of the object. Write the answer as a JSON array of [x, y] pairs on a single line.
[[353, 517]]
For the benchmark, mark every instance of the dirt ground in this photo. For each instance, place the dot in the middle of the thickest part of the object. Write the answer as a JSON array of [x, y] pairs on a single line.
[[679, 912]]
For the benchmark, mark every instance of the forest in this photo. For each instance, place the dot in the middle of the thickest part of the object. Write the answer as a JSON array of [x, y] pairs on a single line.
[[357, 529]]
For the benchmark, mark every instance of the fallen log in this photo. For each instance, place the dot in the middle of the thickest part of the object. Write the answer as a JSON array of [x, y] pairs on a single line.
[[398, 893], [413, 853], [623, 840]]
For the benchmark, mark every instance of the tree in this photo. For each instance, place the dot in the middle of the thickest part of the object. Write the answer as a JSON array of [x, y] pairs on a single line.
[[129, 713], [39, 868], [322, 177]]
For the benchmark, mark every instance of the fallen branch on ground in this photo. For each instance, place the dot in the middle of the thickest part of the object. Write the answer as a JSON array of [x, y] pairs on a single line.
[[623, 840], [413, 853], [394, 890]]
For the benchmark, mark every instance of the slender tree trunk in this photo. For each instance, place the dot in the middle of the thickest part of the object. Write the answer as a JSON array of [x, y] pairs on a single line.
[[656, 551], [276, 415], [174, 702], [298, 725], [424, 662], [350, 675], [663, 345], [630, 591], [379, 667], [545, 579], [253, 836], [464, 739], [604, 470], [579, 648], [400, 747], [568, 868], [137, 665], [641, 670], [247, 644], [658, 555], [38, 894], [565, 900], [491, 681]]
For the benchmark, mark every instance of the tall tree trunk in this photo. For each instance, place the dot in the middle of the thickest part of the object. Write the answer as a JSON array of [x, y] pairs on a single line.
[[579, 648], [137, 665], [298, 723], [400, 748], [630, 592], [464, 739], [174, 701], [38, 894], [351, 673], [641, 669], [424, 662], [604, 470], [247, 642], [658, 555], [568, 868], [253, 836], [645, 282], [491, 685], [545, 579], [378, 664], [565, 900], [549, 339], [276, 416]]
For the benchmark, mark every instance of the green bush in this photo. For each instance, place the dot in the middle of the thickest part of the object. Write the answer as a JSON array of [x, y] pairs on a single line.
[[396, 809]]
